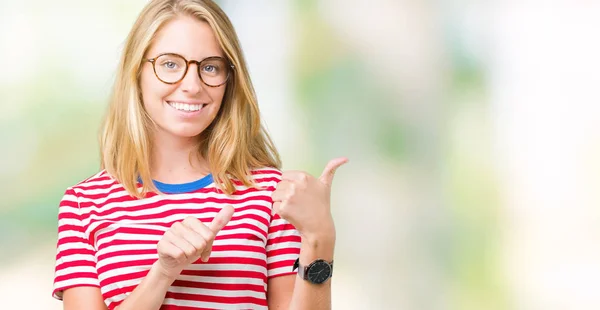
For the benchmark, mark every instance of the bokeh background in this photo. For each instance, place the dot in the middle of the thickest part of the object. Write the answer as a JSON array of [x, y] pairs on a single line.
[[472, 128]]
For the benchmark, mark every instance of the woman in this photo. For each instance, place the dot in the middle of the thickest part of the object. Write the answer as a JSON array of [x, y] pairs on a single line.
[[190, 210]]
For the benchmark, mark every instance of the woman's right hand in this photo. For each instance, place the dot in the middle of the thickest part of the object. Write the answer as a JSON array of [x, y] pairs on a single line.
[[187, 241]]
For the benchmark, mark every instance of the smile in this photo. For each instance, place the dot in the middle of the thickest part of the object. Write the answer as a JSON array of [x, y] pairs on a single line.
[[186, 107]]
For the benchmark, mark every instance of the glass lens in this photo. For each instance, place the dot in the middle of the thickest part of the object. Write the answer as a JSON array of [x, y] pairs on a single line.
[[214, 71], [170, 68]]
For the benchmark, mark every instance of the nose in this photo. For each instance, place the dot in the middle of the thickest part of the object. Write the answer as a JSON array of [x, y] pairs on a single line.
[[191, 82]]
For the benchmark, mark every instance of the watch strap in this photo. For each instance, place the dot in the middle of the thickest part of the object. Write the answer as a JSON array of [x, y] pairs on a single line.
[[303, 270]]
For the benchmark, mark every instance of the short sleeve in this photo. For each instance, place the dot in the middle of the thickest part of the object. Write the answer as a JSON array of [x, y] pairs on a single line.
[[75, 257], [283, 247]]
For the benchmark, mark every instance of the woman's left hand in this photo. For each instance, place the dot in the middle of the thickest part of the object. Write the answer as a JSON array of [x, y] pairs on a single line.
[[304, 201]]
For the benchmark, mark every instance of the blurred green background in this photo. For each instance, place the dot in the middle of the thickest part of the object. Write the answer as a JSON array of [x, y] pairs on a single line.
[[472, 129]]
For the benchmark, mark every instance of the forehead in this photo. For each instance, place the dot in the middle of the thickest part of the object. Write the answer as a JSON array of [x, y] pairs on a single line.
[[187, 36]]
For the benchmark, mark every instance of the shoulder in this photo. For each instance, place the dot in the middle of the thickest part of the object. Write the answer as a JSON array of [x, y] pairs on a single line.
[[261, 178], [98, 182], [89, 194], [265, 175]]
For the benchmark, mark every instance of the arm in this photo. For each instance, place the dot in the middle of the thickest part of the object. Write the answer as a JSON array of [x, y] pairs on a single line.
[[307, 295], [305, 202], [184, 243], [149, 294], [83, 297], [292, 292], [75, 279]]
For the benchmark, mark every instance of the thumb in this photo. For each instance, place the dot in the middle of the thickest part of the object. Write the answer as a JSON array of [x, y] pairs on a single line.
[[332, 165], [221, 219]]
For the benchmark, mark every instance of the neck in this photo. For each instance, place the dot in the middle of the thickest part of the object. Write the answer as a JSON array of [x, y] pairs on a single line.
[[176, 160]]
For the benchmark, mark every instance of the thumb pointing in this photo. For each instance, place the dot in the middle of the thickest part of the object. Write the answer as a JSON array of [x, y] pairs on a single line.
[[221, 219], [329, 171]]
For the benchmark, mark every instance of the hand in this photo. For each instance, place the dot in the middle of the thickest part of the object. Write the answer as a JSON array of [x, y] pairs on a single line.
[[304, 200], [188, 240]]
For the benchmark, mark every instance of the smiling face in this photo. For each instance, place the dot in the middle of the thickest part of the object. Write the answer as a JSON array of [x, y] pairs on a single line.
[[186, 108]]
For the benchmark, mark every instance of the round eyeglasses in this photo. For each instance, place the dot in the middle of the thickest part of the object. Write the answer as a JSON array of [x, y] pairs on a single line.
[[171, 68]]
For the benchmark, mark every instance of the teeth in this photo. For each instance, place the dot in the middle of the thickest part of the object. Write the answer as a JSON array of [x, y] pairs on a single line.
[[185, 107]]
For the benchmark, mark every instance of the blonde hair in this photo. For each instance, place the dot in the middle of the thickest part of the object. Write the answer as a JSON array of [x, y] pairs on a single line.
[[233, 143]]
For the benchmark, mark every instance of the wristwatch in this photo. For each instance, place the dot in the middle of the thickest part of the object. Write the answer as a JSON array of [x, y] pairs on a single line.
[[316, 272]]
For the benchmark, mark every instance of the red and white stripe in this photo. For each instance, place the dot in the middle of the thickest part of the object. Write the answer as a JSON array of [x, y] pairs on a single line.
[[108, 239]]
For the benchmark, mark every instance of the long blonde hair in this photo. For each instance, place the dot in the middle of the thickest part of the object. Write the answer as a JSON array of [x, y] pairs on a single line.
[[233, 143]]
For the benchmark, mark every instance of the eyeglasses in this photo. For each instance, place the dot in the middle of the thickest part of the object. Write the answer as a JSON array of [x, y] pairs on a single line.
[[171, 68]]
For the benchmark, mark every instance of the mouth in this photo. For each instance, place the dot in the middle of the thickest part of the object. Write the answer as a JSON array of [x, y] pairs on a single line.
[[186, 107]]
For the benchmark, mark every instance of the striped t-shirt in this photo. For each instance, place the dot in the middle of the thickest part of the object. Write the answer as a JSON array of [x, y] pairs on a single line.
[[107, 239]]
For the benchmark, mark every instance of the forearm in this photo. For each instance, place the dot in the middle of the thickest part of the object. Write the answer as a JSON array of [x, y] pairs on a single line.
[[150, 293], [307, 295]]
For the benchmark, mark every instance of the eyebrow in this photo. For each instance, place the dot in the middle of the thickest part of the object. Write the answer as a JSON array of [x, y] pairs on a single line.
[[198, 59]]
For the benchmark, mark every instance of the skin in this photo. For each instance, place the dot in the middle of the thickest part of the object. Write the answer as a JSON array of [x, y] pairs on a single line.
[[175, 132], [300, 198]]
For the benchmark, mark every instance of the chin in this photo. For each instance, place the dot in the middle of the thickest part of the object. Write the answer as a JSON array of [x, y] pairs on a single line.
[[187, 133], [184, 131]]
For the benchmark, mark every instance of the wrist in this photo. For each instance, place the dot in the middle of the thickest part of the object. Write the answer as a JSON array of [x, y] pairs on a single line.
[[160, 276], [324, 235], [316, 241], [318, 245]]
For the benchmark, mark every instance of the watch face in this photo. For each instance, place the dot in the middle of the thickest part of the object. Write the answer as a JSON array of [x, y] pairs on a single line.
[[319, 272]]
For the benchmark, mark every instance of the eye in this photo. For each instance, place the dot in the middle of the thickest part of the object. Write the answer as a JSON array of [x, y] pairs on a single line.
[[209, 68], [170, 65]]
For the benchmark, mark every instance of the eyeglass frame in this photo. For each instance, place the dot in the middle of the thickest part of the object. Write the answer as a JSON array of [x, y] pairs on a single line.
[[187, 66]]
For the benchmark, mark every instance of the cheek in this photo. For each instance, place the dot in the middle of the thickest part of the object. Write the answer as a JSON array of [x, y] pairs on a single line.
[[217, 96], [152, 90]]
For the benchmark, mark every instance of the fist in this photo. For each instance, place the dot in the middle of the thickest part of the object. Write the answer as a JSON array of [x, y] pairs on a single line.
[[304, 200], [188, 240]]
